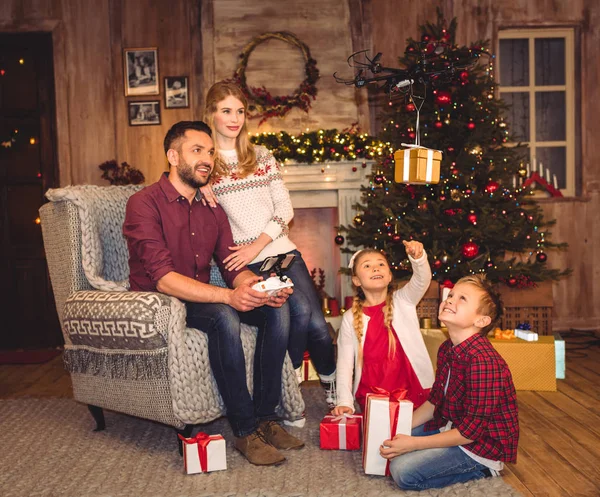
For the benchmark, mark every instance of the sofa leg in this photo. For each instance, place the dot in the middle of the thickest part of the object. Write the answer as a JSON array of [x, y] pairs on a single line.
[[185, 432], [98, 415]]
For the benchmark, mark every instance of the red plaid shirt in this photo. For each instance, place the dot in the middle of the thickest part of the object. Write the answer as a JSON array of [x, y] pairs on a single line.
[[480, 401]]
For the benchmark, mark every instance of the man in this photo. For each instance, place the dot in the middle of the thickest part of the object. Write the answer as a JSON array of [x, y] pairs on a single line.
[[172, 236]]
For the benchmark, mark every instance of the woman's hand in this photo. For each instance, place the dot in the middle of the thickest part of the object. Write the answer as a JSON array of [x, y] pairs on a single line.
[[341, 410], [208, 196], [413, 248], [242, 256]]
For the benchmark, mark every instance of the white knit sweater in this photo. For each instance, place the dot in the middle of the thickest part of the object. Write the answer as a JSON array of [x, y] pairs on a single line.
[[258, 203], [406, 325]]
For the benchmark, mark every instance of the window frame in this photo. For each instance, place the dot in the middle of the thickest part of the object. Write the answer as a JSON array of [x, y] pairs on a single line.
[[570, 143]]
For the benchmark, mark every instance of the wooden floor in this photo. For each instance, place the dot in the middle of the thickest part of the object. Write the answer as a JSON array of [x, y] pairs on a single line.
[[559, 448]]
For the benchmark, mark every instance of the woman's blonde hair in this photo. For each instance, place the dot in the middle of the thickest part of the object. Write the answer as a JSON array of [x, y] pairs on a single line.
[[245, 150], [358, 302]]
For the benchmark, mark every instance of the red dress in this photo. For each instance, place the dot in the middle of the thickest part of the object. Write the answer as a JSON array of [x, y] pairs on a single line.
[[379, 370]]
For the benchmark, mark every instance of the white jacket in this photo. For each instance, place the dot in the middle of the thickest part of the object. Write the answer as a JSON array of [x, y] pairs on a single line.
[[406, 325]]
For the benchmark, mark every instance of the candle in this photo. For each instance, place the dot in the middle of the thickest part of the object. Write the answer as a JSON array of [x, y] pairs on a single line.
[[335, 308], [541, 170], [548, 174], [527, 167], [514, 182], [555, 182], [348, 302], [533, 168]]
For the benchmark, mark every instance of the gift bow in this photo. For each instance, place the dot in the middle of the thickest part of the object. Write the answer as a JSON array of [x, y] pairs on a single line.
[[395, 396], [202, 439], [524, 326]]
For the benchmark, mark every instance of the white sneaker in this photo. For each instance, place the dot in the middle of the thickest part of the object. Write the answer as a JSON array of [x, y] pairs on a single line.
[[299, 375], [297, 423], [330, 393]]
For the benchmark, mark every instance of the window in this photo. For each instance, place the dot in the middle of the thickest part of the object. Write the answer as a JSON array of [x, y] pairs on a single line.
[[537, 79]]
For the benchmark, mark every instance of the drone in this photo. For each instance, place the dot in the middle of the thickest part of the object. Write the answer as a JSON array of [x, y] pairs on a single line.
[[430, 63]]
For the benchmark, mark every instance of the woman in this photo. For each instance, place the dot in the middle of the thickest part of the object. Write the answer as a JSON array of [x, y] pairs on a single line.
[[248, 184]]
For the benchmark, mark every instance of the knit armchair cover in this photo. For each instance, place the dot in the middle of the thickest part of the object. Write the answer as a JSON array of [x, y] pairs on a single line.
[[126, 351]]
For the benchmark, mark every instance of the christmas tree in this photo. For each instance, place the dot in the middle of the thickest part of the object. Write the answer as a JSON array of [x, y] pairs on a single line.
[[477, 219]]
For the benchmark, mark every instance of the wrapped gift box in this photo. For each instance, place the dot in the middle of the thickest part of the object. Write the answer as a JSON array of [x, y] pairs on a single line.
[[527, 335], [417, 165], [379, 420], [559, 348], [203, 453], [308, 370], [433, 338], [341, 432], [532, 364]]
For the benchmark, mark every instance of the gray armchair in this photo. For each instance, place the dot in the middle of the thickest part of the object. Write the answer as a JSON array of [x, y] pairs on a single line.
[[130, 352]]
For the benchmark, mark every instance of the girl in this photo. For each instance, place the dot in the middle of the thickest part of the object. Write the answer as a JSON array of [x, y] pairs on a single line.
[[380, 340], [248, 184]]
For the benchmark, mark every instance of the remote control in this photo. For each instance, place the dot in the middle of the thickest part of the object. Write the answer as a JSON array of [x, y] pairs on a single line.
[[273, 284]]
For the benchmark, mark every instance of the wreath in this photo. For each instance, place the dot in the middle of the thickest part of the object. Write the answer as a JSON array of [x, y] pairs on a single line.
[[261, 103]]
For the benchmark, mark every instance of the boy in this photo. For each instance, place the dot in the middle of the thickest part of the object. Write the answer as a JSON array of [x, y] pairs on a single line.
[[469, 426]]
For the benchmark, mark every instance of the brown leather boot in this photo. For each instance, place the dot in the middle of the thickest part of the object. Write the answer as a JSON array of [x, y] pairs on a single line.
[[257, 450], [278, 437]]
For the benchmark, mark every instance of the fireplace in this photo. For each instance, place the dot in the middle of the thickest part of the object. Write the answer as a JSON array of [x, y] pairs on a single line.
[[322, 196]]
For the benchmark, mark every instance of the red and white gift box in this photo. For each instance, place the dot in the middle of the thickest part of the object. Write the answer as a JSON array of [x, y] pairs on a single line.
[[386, 415], [203, 453], [341, 432], [308, 370]]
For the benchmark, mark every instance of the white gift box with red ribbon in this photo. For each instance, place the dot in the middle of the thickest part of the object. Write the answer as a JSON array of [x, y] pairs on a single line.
[[340, 432], [203, 453], [386, 414]]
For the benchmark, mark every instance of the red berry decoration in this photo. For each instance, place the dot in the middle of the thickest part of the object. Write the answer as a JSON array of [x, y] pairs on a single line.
[[472, 218], [491, 187], [541, 257], [512, 282], [443, 97], [470, 250], [437, 264], [339, 240], [438, 124]]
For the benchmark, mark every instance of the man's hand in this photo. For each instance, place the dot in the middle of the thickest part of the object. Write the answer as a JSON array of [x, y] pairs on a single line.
[[413, 248], [401, 444], [279, 298], [242, 256], [244, 298], [340, 410], [208, 196]]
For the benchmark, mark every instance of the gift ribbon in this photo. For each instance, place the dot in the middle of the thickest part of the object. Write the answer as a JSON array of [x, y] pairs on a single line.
[[342, 428], [429, 168], [202, 440], [394, 397]]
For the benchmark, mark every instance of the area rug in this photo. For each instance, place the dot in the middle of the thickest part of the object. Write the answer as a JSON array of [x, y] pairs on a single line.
[[48, 448]]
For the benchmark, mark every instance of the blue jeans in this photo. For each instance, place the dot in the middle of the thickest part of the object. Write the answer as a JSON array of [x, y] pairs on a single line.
[[308, 328], [221, 323], [433, 468]]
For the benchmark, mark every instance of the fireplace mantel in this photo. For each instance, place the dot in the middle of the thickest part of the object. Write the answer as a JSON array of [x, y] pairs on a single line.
[[333, 184]]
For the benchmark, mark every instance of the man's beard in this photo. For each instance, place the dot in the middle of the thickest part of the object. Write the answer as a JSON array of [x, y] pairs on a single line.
[[186, 174]]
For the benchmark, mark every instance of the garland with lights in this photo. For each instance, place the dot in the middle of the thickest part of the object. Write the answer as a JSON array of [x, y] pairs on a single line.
[[324, 145], [263, 105]]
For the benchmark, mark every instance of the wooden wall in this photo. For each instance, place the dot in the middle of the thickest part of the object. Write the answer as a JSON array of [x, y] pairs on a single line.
[[576, 299]]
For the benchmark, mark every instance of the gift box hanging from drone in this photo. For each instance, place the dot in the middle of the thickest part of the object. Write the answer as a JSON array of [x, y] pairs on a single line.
[[416, 164]]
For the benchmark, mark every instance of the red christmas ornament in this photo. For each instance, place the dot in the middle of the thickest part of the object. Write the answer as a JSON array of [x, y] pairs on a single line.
[[464, 76], [354, 169], [512, 282], [541, 257], [378, 179], [425, 37], [471, 125], [450, 212], [450, 149], [339, 240], [410, 107], [396, 238], [489, 264], [472, 218], [442, 197], [454, 171], [470, 250], [491, 187], [411, 135], [443, 97], [437, 264], [438, 124], [364, 164]]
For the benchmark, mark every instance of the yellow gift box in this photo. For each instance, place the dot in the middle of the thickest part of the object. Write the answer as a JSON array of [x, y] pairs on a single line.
[[417, 165], [532, 364]]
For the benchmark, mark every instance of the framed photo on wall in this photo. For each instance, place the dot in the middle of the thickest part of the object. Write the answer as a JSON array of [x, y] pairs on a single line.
[[141, 71], [176, 92], [143, 113]]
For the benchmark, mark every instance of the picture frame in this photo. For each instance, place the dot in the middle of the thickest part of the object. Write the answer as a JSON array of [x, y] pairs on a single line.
[[144, 112], [176, 92], [141, 71]]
